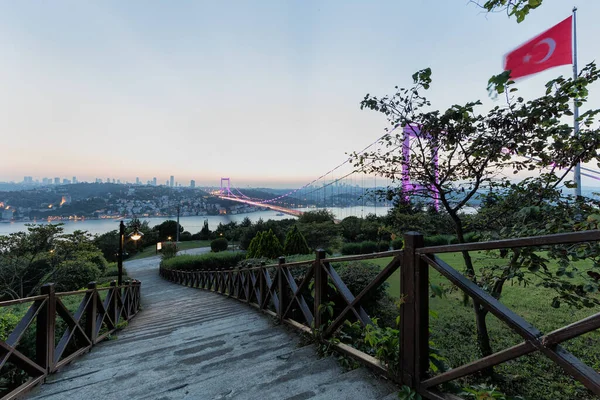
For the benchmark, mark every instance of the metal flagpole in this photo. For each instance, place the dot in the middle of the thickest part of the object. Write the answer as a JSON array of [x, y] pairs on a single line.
[[577, 173]]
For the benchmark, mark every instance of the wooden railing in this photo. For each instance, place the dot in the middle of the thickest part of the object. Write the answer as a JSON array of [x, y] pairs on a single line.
[[273, 289], [61, 335]]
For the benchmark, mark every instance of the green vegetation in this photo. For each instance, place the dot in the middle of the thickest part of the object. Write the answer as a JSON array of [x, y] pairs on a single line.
[[210, 261], [295, 243], [454, 333], [150, 251], [219, 244], [264, 245]]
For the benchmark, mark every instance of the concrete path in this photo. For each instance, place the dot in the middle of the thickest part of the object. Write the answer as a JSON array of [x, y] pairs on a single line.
[[191, 344]]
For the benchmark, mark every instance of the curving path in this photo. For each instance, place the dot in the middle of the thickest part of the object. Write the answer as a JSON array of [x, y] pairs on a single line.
[[191, 344]]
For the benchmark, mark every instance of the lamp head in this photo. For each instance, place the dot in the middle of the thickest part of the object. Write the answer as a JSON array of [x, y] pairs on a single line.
[[136, 234]]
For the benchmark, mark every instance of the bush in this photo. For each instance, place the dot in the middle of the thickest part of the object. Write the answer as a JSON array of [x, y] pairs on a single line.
[[350, 249], [397, 244], [436, 240], [357, 275], [75, 274], [265, 244], [364, 248], [219, 244], [383, 246], [209, 261], [470, 237], [169, 250], [368, 247], [185, 236]]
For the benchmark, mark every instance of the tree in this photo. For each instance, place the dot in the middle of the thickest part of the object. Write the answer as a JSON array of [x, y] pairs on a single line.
[[205, 232], [295, 243], [37, 256], [168, 229], [475, 148], [316, 216], [265, 244], [518, 8]]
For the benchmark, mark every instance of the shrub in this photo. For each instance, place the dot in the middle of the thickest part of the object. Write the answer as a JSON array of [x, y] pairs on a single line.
[[209, 261], [185, 236], [368, 247], [219, 244], [349, 249], [364, 248], [357, 275], [75, 274], [397, 244], [169, 249], [436, 240], [383, 246], [470, 237], [295, 243], [265, 244]]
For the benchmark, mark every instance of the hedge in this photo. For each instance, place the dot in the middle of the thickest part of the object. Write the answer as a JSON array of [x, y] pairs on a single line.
[[209, 261]]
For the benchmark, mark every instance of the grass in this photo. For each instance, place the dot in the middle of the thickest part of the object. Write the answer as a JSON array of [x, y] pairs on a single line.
[[533, 376], [151, 250]]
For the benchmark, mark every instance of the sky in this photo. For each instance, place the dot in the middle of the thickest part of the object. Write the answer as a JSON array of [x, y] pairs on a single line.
[[264, 92]]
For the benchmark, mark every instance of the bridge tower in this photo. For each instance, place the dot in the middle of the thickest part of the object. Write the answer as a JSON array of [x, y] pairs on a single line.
[[228, 187], [412, 132]]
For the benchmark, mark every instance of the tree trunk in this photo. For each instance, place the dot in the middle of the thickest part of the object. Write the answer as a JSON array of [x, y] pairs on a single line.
[[483, 337]]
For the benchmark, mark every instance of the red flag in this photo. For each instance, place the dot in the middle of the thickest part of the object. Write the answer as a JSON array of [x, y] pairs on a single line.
[[549, 49]]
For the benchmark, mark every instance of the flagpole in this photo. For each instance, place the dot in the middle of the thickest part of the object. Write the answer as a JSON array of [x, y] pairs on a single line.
[[577, 173]]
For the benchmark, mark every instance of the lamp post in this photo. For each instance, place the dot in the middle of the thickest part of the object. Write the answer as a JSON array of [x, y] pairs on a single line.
[[135, 236]]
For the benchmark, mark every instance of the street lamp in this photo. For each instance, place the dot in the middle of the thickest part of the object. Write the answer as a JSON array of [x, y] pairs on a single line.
[[135, 236]]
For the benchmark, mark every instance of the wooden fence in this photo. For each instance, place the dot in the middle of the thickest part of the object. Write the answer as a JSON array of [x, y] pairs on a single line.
[[273, 289], [93, 321]]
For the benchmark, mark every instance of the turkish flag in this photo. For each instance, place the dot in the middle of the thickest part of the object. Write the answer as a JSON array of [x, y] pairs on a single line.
[[549, 49]]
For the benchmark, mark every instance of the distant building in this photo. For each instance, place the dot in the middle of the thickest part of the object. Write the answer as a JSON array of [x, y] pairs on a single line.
[[7, 214], [57, 181], [192, 183], [137, 180], [154, 181], [74, 179], [66, 181], [28, 180], [172, 181]]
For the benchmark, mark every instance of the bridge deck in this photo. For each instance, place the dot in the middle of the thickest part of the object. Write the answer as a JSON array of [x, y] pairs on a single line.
[[192, 344]]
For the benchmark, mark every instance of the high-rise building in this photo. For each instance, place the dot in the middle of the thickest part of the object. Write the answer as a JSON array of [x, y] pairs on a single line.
[[172, 181], [118, 181], [74, 179], [137, 180], [66, 181], [57, 181], [46, 181], [154, 181], [192, 183], [28, 179]]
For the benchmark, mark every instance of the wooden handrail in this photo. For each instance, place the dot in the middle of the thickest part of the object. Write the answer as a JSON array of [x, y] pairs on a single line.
[[121, 303]]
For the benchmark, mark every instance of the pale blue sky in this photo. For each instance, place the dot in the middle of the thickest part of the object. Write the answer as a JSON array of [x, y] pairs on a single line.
[[259, 91]]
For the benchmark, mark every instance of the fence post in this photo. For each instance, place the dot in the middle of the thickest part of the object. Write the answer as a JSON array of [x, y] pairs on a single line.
[[46, 321], [91, 313], [320, 287], [262, 284], [113, 307], [283, 293], [414, 313]]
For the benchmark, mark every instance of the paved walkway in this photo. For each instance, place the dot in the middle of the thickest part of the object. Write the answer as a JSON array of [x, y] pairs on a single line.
[[192, 344]]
